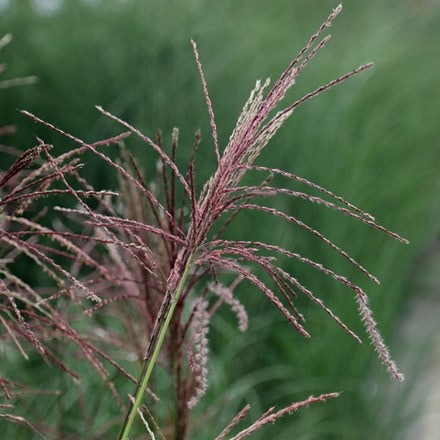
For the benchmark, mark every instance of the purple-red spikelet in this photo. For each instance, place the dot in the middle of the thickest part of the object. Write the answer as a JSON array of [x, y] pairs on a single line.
[[271, 417], [227, 296], [198, 358]]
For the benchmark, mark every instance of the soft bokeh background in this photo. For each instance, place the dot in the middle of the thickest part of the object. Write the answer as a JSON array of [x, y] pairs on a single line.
[[374, 140]]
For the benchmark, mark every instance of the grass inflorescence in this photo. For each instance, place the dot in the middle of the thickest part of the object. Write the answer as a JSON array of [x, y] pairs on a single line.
[[156, 257]]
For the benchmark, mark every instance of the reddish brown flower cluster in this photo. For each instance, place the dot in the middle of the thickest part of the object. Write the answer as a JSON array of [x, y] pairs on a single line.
[[148, 249]]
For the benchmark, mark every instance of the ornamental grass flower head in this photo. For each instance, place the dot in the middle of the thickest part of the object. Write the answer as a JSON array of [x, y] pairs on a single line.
[[153, 255]]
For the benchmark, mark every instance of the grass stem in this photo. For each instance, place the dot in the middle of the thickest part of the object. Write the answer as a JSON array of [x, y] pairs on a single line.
[[162, 325]]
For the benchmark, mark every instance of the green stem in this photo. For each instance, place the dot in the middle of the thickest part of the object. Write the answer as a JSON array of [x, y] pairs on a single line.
[[150, 361]]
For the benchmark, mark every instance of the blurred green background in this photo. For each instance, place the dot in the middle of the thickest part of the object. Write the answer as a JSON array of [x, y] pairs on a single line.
[[373, 140]]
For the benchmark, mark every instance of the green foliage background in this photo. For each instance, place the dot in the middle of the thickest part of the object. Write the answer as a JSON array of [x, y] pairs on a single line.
[[374, 140]]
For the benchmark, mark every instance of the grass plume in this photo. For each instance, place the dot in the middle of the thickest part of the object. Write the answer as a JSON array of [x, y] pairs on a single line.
[[144, 258]]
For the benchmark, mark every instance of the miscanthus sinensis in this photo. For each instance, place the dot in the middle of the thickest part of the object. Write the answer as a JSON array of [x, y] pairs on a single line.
[[145, 254]]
